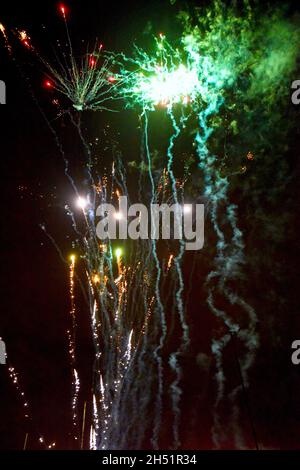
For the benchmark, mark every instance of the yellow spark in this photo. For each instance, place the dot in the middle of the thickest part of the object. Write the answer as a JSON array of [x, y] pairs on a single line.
[[2, 29], [23, 35], [103, 247], [170, 261], [96, 279], [118, 216]]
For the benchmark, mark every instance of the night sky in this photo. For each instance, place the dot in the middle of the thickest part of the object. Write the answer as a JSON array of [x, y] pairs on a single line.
[[34, 280]]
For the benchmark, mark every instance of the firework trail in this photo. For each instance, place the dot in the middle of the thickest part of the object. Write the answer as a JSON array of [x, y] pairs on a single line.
[[159, 306], [160, 81], [3, 31], [87, 82], [72, 346], [28, 418]]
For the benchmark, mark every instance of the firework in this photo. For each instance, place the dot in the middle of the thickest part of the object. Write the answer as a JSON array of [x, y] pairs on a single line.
[[88, 82], [136, 294]]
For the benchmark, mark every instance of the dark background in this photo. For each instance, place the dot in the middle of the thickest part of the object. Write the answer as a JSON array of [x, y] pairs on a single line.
[[34, 281]]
